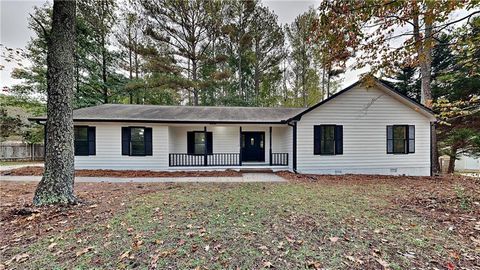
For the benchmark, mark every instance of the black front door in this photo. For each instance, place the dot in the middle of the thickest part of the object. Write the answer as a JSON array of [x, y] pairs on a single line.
[[253, 146]]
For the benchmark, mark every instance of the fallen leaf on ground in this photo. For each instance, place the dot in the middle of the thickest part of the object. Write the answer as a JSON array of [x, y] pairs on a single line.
[[314, 265], [267, 265], [83, 251], [18, 258], [124, 255], [353, 259], [51, 246], [334, 239], [383, 263]]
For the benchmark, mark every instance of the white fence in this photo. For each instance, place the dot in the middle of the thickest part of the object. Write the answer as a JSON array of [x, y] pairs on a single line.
[[21, 151]]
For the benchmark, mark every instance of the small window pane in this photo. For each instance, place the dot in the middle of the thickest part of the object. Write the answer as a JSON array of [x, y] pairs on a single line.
[[399, 146], [399, 132], [199, 149], [199, 137], [327, 147], [199, 143], [81, 141], [399, 139], [137, 141], [327, 144], [329, 132], [138, 148], [81, 133]]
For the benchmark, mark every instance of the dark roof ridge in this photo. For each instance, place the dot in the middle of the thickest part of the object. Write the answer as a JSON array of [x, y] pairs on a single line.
[[198, 106]]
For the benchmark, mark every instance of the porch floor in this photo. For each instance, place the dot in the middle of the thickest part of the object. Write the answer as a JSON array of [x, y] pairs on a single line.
[[244, 166]]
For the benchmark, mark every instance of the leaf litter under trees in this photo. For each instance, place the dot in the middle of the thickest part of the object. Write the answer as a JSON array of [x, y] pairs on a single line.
[[315, 222]]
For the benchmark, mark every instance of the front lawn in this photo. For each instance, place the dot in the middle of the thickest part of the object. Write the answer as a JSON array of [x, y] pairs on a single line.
[[335, 222]]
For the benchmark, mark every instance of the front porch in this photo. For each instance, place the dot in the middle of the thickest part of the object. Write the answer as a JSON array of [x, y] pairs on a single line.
[[232, 146]]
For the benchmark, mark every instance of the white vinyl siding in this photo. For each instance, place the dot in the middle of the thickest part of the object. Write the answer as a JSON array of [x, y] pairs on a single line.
[[171, 139], [109, 149], [364, 114]]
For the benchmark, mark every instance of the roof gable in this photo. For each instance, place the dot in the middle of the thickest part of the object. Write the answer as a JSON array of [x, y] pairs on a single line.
[[379, 85]]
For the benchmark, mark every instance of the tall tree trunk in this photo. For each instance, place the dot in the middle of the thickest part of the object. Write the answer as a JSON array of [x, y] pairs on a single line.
[[104, 71], [257, 75], [130, 63], [323, 82], [135, 51], [194, 79], [424, 49], [328, 82], [56, 186], [451, 162]]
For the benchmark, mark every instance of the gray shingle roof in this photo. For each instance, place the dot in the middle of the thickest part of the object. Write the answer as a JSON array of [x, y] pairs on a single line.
[[157, 113]]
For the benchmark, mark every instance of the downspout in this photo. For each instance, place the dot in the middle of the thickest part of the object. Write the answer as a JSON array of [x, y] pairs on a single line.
[[431, 149], [205, 147], [270, 150], [294, 146]]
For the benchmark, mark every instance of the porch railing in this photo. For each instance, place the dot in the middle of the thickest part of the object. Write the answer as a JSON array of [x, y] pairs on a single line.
[[192, 160], [218, 159], [279, 159]]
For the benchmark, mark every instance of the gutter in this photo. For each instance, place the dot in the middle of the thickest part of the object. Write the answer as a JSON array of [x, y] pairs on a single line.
[[37, 119]]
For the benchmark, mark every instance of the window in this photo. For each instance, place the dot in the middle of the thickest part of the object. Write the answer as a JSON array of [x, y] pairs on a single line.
[[136, 141], [84, 142], [328, 140], [196, 142], [400, 139]]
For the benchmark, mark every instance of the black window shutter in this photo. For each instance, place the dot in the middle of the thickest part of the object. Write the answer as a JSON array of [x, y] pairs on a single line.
[[125, 141], [411, 139], [389, 139], [190, 142], [91, 141], [338, 140], [148, 141], [209, 143], [317, 137]]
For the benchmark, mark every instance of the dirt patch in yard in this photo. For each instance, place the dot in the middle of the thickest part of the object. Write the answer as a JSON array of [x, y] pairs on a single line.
[[38, 171]]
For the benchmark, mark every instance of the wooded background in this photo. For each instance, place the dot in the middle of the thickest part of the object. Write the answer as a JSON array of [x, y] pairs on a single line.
[[235, 53]]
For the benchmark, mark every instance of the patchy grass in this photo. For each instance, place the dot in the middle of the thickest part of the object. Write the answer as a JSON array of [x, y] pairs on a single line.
[[329, 222]]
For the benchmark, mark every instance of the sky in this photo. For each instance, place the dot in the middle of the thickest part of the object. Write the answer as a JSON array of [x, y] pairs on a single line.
[[14, 32]]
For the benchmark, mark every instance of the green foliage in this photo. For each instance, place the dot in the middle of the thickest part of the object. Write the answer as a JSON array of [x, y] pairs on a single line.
[[305, 90], [13, 119], [96, 63]]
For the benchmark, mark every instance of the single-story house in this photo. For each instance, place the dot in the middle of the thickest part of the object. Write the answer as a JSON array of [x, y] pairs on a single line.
[[361, 130]]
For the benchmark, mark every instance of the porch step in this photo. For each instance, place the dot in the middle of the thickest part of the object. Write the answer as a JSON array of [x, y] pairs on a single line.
[[255, 170]]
